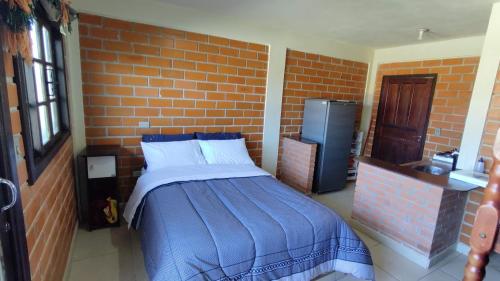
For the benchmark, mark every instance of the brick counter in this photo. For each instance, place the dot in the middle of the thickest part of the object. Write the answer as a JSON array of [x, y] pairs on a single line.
[[421, 216], [297, 164]]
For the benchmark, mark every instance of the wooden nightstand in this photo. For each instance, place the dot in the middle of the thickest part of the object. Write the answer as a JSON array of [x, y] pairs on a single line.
[[98, 187]]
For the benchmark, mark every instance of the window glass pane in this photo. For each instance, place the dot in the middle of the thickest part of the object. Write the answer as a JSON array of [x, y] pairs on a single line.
[[50, 73], [39, 82], [44, 123], [52, 91], [54, 110], [51, 82], [35, 40], [46, 44]]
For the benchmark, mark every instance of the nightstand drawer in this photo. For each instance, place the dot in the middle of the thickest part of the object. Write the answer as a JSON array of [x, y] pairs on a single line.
[[101, 167]]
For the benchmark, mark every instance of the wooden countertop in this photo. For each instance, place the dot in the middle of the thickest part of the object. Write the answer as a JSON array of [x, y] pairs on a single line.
[[443, 181]]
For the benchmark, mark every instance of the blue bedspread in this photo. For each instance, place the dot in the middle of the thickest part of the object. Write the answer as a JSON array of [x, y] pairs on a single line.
[[252, 228]]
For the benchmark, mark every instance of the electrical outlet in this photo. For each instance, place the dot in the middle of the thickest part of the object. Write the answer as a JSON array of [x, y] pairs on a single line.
[[144, 124], [17, 147], [437, 132], [136, 173]]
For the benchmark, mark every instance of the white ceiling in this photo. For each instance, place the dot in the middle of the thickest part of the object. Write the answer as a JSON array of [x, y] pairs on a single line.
[[371, 23]]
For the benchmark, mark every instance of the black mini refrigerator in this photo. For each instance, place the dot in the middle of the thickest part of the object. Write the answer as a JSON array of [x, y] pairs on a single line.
[[330, 124]]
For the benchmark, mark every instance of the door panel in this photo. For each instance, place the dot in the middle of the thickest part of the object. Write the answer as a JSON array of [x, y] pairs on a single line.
[[7, 201], [418, 109], [402, 118], [390, 103], [404, 105]]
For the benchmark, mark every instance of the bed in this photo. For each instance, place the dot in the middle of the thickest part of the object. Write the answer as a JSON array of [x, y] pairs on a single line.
[[237, 222], [204, 211]]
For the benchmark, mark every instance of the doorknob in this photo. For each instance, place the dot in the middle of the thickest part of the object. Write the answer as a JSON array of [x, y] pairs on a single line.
[[13, 194]]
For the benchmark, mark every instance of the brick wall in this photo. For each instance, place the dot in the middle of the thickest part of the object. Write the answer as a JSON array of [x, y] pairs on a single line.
[[49, 206], [449, 220], [179, 81], [421, 216], [474, 199], [486, 150], [297, 165], [316, 76], [451, 98]]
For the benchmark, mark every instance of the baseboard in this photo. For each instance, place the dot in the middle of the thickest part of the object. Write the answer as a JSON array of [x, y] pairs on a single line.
[[398, 247], [463, 248], [70, 254]]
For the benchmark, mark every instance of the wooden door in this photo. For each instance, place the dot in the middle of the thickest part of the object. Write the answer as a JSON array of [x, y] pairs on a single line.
[[13, 246], [402, 118]]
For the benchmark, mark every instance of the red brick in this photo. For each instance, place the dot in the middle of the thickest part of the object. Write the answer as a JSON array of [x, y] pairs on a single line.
[[160, 102], [118, 90], [136, 81], [103, 33], [150, 92], [133, 37], [119, 68], [184, 65], [159, 82], [91, 43], [146, 50], [132, 59], [171, 93], [186, 45], [146, 71], [218, 40], [129, 101], [206, 48], [117, 46], [153, 61], [101, 56], [197, 37]]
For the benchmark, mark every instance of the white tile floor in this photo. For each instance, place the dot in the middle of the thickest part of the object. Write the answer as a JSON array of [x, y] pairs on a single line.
[[107, 254], [115, 254]]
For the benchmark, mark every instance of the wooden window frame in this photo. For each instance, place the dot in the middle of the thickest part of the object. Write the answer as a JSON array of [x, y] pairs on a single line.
[[39, 156]]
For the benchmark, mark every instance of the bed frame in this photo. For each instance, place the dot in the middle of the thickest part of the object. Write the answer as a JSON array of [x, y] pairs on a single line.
[[486, 226]]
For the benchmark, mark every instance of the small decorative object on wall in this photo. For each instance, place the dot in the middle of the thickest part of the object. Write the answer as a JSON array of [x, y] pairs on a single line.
[[61, 12], [18, 15]]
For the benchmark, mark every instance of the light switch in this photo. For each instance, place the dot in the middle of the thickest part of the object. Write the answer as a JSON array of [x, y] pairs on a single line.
[[144, 124], [17, 147]]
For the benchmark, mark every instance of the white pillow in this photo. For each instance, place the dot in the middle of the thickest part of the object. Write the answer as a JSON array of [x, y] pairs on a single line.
[[225, 151], [174, 153]]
